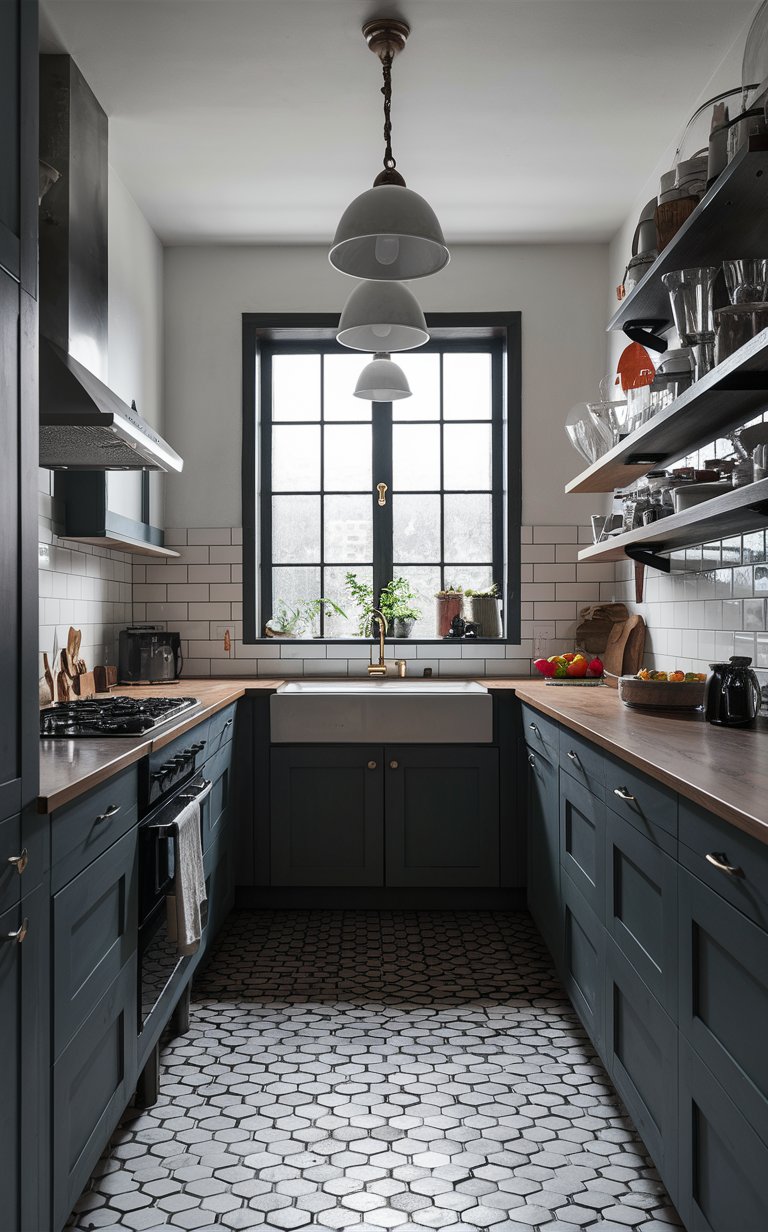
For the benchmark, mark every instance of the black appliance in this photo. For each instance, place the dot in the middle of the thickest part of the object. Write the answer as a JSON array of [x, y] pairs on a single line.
[[166, 788], [732, 697], [149, 655], [111, 716]]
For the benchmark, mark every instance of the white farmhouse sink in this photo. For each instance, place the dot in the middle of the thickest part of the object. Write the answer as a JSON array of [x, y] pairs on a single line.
[[378, 711]]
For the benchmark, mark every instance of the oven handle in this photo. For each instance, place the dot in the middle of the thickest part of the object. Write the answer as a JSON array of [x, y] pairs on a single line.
[[198, 795]]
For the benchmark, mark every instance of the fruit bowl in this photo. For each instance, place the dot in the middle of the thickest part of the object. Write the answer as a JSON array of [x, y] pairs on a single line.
[[570, 668], [662, 694]]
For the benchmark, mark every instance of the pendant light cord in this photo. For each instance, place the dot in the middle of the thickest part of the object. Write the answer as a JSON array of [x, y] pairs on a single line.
[[386, 90]]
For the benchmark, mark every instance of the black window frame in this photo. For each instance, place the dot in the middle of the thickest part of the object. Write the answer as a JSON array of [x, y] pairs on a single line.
[[279, 333]]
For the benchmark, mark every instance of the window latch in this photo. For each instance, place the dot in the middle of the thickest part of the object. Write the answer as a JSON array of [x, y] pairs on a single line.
[[381, 488]]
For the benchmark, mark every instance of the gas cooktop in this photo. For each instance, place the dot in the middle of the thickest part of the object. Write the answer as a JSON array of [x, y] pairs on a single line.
[[111, 716]]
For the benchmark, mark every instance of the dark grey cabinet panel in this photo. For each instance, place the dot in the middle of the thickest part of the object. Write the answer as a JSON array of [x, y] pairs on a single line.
[[221, 729], [92, 1082], [584, 959], [582, 841], [327, 817], [13, 862], [746, 886], [584, 762], [543, 849], [95, 933], [441, 815], [641, 907], [10, 530], [215, 806], [648, 805], [723, 1185], [82, 830], [724, 995], [641, 1056], [541, 734]]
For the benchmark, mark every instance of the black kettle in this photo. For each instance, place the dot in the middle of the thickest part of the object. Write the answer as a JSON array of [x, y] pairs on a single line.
[[732, 696]]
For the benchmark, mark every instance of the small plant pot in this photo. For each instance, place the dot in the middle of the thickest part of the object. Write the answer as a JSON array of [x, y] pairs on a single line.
[[485, 612], [448, 606], [403, 628]]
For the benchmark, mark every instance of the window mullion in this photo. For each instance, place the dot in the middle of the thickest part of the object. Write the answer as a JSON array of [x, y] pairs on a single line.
[[381, 437]]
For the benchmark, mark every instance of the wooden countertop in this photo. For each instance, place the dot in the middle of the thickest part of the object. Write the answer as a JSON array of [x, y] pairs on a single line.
[[723, 770], [68, 768]]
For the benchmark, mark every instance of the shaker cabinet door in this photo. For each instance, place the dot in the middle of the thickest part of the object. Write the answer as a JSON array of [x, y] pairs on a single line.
[[543, 848]]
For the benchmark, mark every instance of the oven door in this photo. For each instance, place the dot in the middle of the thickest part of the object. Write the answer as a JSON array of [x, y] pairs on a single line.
[[160, 964]]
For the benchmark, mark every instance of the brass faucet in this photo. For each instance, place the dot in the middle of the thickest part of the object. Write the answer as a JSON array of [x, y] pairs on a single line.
[[380, 668]]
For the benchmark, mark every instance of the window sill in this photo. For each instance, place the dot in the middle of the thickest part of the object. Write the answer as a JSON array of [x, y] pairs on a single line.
[[402, 642]]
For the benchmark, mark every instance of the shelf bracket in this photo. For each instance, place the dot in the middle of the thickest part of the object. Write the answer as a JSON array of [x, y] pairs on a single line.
[[644, 332], [641, 556]]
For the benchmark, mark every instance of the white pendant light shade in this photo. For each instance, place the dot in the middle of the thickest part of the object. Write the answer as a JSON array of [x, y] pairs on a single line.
[[379, 314], [389, 233], [382, 381]]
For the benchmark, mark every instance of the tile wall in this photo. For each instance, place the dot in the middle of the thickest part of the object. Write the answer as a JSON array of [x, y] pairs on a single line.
[[87, 587], [200, 594]]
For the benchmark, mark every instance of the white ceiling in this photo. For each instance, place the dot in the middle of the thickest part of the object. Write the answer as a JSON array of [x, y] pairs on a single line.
[[519, 120]]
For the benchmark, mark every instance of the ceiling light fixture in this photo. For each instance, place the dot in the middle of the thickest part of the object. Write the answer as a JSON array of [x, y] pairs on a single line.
[[388, 232], [382, 381], [381, 314]]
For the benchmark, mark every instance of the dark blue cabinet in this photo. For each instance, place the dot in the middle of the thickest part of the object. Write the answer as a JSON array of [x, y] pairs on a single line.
[[583, 966], [543, 847], [582, 841]]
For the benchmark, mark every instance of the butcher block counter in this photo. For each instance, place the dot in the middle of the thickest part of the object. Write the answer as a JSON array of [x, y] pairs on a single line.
[[723, 770]]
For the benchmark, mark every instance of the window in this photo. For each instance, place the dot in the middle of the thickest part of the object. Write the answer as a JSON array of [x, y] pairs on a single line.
[[420, 488]]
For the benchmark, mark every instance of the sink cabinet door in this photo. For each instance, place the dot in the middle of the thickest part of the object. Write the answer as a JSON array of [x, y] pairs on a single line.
[[327, 817], [442, 815]]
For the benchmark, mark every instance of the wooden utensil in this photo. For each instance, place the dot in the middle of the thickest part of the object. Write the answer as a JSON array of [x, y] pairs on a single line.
[[84, 685], [48, 676], [105, 678], [624, 649], [63, 686]]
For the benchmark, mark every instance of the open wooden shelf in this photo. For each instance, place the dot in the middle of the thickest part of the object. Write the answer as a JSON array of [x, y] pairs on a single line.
[[730, 221], [727, 397], [737, 511]]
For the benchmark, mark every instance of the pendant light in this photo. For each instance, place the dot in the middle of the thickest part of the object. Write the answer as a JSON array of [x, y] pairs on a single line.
[[382, 381], [389, 232], [382, 314]]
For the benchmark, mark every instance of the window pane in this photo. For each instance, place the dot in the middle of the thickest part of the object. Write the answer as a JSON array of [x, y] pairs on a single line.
[[467, 386], [334, 584], [416, 528], [293, 587], [468, 528], [426, 583], [474, 577], [296, 459], [347, 458], [415, 457], [296, 387], [467, 456], [295, 528], [341, 373], [423, 373], [348, 531]]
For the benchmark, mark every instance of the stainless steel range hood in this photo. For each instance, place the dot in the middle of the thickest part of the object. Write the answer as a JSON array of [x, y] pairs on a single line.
[[84, 425]]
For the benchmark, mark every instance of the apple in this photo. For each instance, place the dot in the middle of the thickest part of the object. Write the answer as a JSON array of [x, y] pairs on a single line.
[[577, 667], [544, 666]]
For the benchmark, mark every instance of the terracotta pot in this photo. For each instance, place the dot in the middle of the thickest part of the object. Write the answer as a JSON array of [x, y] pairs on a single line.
[[448, 606]]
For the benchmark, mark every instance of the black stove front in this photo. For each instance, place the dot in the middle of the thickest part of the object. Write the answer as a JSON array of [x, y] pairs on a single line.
[[111, 716]]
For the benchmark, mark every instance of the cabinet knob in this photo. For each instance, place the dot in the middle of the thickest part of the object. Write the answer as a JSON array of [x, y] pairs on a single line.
[[20, 862], [720, 861], [532, 761], [393, 765], [534, 729], [110, 812], [16, 938], [371, 765], [573, 756], [622, 793]]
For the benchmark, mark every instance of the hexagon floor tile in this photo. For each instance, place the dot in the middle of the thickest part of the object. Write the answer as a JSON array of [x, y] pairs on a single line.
[[363, 1070]]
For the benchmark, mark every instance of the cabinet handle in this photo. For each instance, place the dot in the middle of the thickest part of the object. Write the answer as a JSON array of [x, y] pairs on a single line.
[[110, 812], [720, 861], [534, 729], [393, 765], [371, 765], [20, 862], [622, 793], [573, 756], [531, 761], [18, 936], [227, 724]]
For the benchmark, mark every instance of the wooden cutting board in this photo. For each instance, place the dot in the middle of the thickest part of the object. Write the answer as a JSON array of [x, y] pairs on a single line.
[[624, 649]]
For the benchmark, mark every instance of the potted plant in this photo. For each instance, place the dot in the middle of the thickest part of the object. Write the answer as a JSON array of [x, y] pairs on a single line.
[[294, 621], [396, 603], [449, 605], [483, 608]]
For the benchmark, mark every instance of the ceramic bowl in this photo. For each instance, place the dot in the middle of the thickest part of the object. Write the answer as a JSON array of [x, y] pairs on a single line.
[[662, 694]]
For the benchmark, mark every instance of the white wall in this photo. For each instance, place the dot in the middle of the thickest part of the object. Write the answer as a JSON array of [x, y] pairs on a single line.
[[560, 291], [135, 368]]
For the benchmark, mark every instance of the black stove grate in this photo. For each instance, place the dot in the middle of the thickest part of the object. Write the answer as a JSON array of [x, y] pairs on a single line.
[[111, 716]]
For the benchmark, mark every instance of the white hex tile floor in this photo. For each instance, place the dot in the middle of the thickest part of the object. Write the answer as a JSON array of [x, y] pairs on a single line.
[[364, 1070]]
